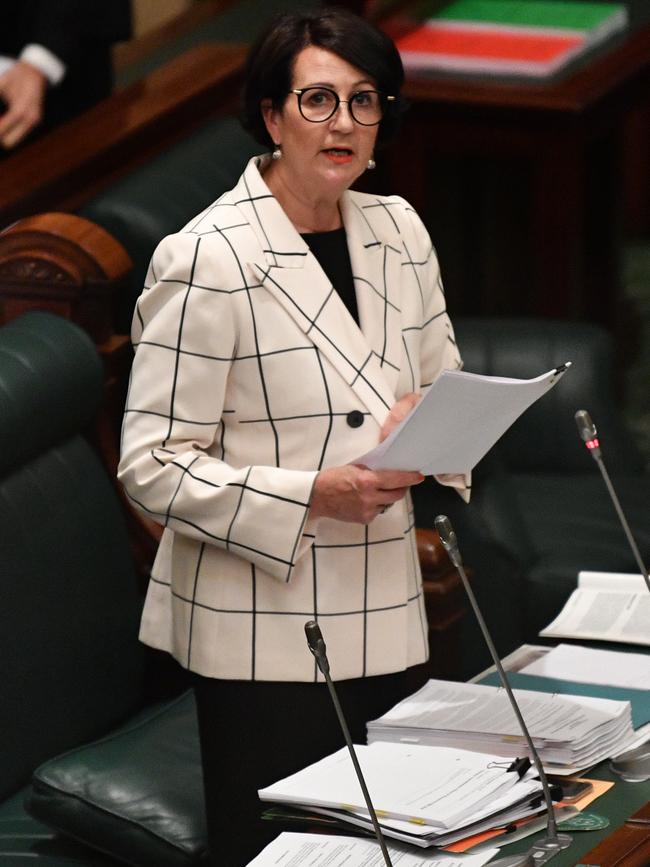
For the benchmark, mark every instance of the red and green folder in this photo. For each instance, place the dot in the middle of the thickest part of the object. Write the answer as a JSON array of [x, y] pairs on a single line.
[[524, 37]]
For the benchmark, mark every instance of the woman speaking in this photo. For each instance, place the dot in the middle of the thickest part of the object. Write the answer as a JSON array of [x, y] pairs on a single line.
[[282, 334]]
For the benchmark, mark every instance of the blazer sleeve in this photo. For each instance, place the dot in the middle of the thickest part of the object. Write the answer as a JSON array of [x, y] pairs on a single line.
[[185, 336], [64, 26], [439, 350]]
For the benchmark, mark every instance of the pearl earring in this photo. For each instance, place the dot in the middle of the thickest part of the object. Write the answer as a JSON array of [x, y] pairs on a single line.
[[277, 152], [371, 164]]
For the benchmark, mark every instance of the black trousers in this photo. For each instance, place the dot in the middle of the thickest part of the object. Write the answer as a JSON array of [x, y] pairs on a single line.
[[254, 733]]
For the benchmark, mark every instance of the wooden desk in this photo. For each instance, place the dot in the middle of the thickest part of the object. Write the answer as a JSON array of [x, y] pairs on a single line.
[[73, 162], [545, 240]]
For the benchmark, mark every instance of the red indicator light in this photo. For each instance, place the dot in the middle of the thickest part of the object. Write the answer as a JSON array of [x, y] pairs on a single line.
[[592, 444]]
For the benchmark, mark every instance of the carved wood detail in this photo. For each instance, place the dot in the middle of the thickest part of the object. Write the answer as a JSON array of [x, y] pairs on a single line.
[[65, 264]]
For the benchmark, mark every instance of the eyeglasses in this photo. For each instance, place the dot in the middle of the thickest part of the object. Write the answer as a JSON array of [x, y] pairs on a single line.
[[318, 104]]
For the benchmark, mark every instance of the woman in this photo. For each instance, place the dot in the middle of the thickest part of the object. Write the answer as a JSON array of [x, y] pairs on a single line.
[[282, 334]]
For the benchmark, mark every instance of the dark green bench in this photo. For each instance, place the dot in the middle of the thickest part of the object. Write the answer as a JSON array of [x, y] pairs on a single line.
[[71, 667]]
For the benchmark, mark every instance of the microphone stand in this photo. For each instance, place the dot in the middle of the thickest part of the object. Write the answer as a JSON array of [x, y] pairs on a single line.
[[553, 842], [633, 765], [589, 435], [317, 646]]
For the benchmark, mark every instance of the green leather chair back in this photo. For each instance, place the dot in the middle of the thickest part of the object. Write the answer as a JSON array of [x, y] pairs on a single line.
[[70, 663], [545, 438], [161, 197]]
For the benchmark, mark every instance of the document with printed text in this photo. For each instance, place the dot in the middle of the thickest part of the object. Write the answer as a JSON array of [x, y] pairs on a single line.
[[325, 850], [571, 733], [444, 788], [605, 606], [460, 417]]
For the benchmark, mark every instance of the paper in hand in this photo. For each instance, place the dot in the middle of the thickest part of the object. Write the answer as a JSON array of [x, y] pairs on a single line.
[[460, 417]]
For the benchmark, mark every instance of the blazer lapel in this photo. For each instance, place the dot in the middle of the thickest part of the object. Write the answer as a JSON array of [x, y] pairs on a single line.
[[376, 255], [291, 273]]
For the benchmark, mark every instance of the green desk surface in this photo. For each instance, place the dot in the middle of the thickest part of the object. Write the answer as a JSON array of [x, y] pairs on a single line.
[[617, 805]]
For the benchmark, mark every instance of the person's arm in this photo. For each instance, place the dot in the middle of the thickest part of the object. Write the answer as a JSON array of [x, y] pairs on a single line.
[[58, 32], [171, 467], [67, 27]]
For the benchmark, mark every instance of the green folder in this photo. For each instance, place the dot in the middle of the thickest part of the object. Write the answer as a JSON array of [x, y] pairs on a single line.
[[638, 698], [525, 13]]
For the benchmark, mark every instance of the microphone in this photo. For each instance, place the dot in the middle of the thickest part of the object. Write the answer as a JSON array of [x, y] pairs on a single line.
[[317, 646], [589, 435], [553, 841]]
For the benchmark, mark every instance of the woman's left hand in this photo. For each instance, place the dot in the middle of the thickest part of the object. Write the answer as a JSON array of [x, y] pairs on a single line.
[[399, 412]]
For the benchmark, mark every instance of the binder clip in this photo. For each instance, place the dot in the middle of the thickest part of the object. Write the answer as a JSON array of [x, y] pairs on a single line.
[[520, 766]]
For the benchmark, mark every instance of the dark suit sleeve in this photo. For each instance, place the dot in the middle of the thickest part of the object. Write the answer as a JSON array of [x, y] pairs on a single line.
[[66, 27]]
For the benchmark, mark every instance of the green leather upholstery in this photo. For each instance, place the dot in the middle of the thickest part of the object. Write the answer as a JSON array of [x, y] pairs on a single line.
[[548, 485], [545, 438], [68, 597], [71, 666], [161, 197], [136, 793]]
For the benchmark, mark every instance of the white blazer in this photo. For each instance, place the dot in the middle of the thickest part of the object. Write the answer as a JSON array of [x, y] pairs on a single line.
[[250, 375]]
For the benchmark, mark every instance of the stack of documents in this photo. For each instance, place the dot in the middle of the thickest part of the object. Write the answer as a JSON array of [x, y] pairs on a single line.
[[570, 732], [575, 670], [507, 37], [325, 850], [427, 796]]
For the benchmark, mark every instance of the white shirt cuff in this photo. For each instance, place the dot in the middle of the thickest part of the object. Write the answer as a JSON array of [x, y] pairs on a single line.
[[6, 63], [46, 62]]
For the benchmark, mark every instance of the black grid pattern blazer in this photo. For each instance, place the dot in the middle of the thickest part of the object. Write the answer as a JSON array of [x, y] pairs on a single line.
[[250, 375]]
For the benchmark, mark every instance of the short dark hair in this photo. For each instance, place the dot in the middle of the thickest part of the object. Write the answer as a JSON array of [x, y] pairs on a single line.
[[269, 68]]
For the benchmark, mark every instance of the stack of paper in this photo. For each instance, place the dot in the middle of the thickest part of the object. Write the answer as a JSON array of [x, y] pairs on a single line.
[[535, 37], [325, 850], [427, 796], [571, 733], [572, 669]]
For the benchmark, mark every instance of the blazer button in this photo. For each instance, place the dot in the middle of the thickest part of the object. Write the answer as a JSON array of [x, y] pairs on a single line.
[[355, 418]]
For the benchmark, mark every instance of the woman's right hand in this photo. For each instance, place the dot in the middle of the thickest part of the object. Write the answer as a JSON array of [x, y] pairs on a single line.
[[356, 494]]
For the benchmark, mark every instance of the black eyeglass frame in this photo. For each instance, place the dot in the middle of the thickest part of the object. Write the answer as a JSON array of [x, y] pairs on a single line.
[[383, 97]]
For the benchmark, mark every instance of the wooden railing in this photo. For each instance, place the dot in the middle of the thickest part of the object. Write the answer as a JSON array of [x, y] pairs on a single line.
[[65, 168]]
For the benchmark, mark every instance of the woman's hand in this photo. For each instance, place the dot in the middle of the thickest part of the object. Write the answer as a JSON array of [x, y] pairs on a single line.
[[399, 412], [356, 494]]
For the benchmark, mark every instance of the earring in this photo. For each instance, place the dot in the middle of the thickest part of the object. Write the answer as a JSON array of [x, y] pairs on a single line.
[[277, 152], [371, 164]]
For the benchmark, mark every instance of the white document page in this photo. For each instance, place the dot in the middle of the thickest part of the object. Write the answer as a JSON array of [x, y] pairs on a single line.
[[587, 665], [458, 420], [498, 812], [440, 786], [570, 732], [472, 707], [325, 850], [606, 606], [624, 581]]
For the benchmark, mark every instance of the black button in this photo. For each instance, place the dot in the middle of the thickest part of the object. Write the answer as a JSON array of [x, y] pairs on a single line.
[[355, 418]]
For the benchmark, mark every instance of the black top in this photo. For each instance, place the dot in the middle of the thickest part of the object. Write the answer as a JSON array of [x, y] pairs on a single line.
[[331, 250]]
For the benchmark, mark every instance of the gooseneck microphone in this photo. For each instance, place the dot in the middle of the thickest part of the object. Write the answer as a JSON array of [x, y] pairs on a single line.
[[317, 646], [553, 841], [589, 435]]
